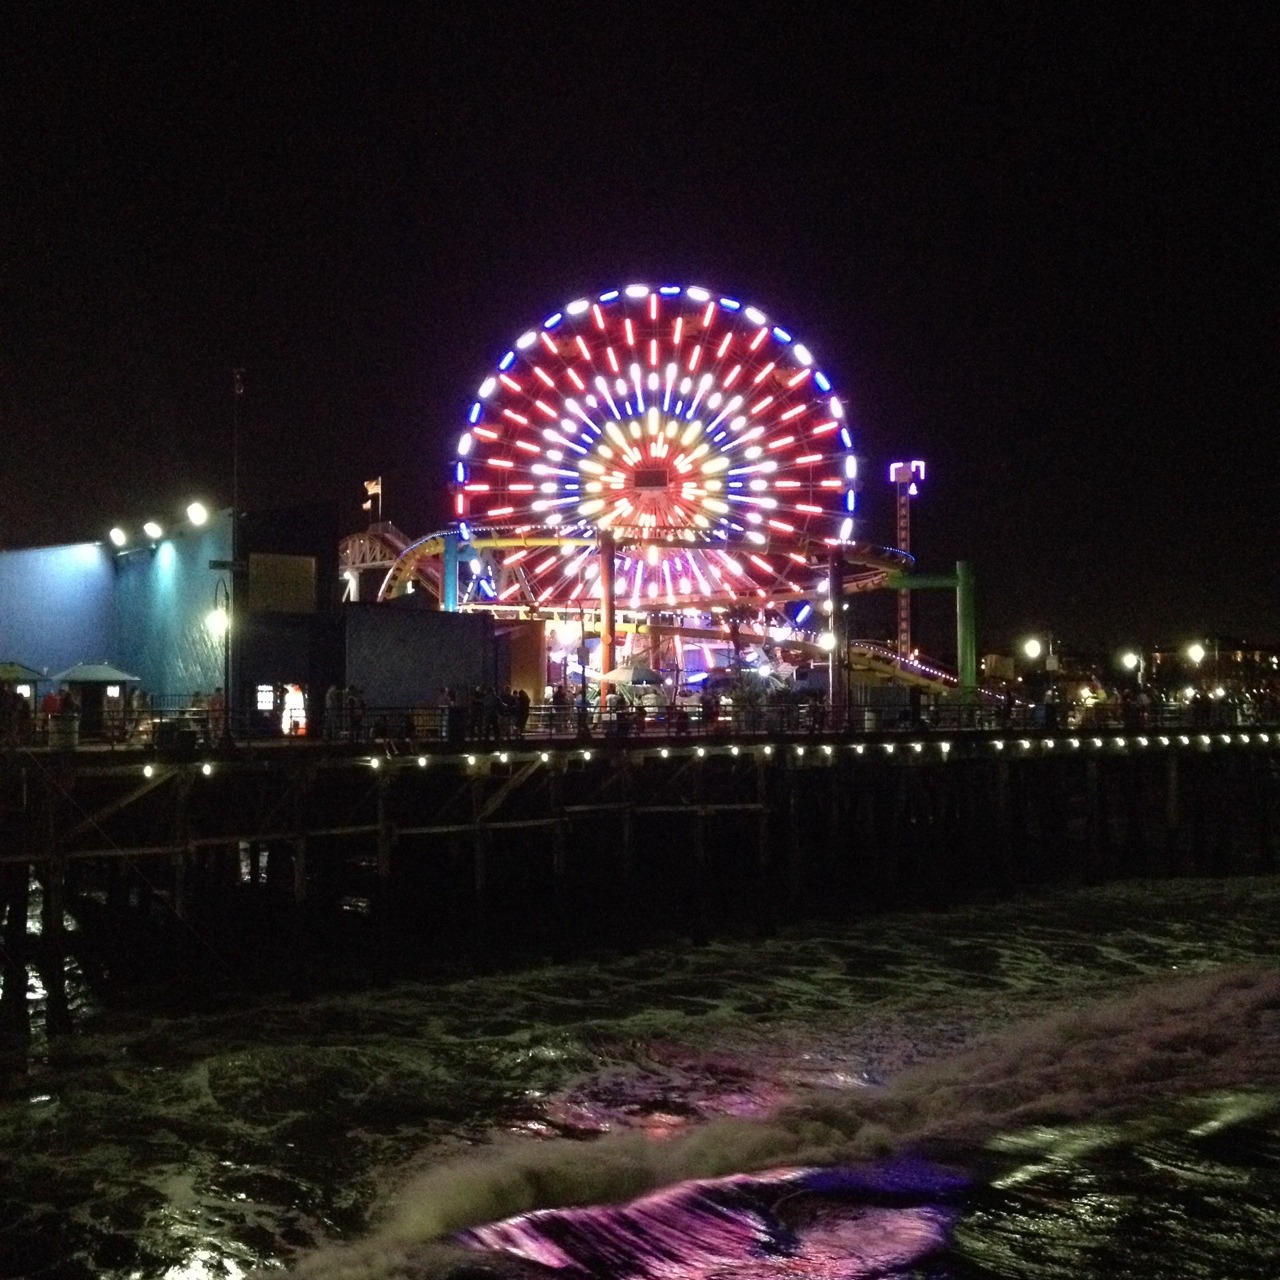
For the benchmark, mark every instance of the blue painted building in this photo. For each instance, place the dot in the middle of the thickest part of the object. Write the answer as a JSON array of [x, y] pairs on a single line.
[[56, 606], [160, 606], [142, 609]]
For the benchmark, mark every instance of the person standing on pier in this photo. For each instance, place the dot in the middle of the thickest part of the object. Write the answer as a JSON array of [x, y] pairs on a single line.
[[333, 702], [217, 714]]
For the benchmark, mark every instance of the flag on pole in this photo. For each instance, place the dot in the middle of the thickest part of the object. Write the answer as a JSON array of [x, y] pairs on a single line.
[[373, 486]]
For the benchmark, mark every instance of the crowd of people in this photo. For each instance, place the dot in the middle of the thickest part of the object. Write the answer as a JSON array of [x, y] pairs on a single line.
[[486, 715], [492, 714]]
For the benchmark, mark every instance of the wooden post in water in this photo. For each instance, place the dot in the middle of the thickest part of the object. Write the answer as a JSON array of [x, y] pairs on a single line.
[[386, 914], [628, 903], [1172, 817], [1136, 851], [479, 875], [1003, 853], [53, 945], [795, 850], [1197, 860], [1094, 819], [51, 953], [874, 861], [1262, 787], [766, 918], [834, 856], [698, 928], [300, 932], [897, 837], [181, 871], [560, 923], [299, 906], [15, 1015]]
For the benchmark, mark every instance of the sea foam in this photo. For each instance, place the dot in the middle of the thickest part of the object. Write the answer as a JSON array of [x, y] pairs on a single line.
[[1173, 1038]]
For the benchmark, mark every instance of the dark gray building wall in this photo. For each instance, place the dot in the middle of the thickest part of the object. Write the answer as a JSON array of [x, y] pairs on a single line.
[[405, 657]]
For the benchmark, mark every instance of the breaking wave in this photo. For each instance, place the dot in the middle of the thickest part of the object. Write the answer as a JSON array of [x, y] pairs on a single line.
[[1135, 1055]]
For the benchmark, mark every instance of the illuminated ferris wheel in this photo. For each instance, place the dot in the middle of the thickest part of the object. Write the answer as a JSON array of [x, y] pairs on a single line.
[[685, 429]]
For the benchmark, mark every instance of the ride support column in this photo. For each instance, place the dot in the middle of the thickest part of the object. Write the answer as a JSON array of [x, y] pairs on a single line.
[[966, 631], [449, 575], [606, 612]]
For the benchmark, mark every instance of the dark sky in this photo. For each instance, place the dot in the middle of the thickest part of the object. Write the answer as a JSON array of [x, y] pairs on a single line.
[[1037, 250]]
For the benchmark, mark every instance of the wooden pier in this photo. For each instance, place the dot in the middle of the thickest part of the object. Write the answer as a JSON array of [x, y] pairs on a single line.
[[273, 863]]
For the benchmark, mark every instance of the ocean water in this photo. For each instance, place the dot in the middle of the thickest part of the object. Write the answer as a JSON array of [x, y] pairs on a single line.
[[1083, 1083]]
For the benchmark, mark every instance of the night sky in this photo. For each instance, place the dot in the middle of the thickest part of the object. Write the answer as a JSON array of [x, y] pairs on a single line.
[[1036, 250]]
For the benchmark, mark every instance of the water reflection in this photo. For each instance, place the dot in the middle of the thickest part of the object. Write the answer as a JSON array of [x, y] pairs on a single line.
[[211, 1143]]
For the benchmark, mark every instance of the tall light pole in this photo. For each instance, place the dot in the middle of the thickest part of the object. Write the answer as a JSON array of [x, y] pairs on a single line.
[[907, 478], [827, 643], [237, 391], [219, 624]]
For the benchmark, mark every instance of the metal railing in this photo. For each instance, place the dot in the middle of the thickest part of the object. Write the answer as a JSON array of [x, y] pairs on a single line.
[[176, 722], [484, 723]]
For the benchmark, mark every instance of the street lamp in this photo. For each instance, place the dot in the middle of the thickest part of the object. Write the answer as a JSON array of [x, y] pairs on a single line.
[[219, 623], [1196, 652], [1032, 648], [827, 643], [1132, 661]]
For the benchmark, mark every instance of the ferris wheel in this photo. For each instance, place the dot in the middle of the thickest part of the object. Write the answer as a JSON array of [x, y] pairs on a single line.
[[685, 429]]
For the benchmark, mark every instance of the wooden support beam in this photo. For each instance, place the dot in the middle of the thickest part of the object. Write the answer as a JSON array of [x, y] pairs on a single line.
[[96, 819], [512, 784]]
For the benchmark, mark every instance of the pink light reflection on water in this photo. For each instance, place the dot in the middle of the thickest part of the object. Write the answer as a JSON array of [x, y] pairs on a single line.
[[674, 1089], [820, 1224]]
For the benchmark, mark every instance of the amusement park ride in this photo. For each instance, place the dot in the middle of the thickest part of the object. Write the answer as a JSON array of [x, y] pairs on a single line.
[[669, 470]]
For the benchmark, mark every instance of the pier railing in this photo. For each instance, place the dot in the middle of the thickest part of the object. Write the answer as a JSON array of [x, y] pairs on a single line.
[[174, 722]]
